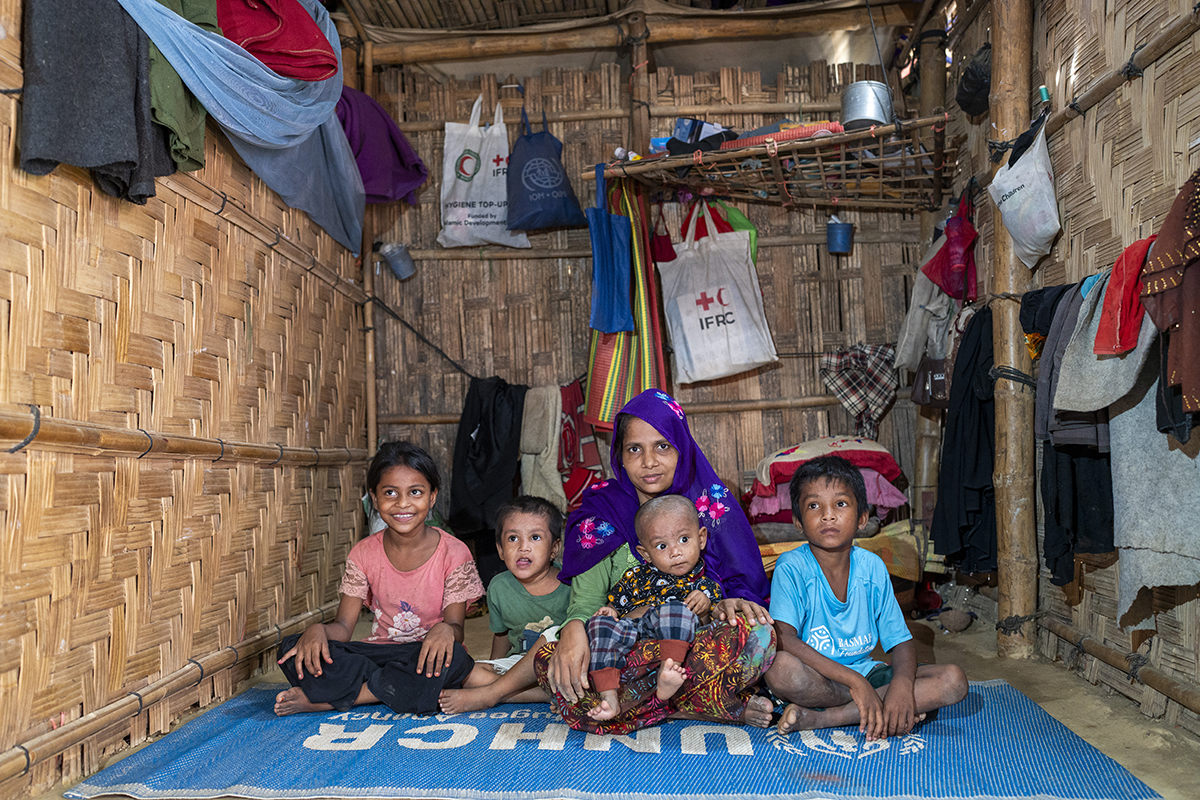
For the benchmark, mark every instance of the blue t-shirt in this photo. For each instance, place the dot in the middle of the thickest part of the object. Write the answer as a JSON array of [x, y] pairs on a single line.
[[844, 632]]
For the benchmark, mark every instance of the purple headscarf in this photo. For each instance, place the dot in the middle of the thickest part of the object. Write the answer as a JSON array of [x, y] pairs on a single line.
[[605, 519]]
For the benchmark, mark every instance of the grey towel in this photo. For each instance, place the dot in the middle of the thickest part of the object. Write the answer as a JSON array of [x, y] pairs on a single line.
[[1089, 382], [1156, 484], [87, 97], [1089, 428]]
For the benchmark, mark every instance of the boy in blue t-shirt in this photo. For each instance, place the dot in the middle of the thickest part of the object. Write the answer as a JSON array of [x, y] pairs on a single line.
[[832, 603]]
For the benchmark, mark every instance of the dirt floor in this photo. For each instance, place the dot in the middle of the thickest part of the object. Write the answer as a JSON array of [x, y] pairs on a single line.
[[1167, 758]]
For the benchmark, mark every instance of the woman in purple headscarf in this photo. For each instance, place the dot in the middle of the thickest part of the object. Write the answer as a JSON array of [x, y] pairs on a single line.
[[653, 454]]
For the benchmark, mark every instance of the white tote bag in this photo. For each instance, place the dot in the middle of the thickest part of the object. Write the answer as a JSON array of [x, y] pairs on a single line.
[[1024, 193], [714, 306], [475, 184]]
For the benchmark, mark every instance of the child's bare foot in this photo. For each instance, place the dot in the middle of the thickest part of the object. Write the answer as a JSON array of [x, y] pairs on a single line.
[[460, 701], [799, 718], [671, 676], [606, 708], [757, 712], [295, 701]]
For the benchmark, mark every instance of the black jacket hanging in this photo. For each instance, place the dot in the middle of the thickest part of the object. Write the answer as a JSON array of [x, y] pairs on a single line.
[[486, 454]]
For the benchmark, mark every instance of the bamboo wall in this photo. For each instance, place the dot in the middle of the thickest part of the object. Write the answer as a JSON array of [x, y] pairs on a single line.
[[527, 320], [173, 326], [1117, 171]]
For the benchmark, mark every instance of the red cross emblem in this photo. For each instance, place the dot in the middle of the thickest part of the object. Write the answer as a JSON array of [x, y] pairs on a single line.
[[498, 160], [705, 300]]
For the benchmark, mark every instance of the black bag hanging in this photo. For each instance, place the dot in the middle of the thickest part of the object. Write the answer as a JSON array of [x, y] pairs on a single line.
[[976, 82], [539, 192]]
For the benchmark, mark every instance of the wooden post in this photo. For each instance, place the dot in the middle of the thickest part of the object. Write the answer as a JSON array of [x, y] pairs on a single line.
[[929, 420], [368, 264], [640, 98], [1017, 559]]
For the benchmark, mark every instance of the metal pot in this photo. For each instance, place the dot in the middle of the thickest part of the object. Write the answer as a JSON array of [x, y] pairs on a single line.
[[866, 103]]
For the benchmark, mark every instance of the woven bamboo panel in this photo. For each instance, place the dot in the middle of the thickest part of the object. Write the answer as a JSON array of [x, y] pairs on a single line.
[[527, 320], [1117, 171], [172, 319]]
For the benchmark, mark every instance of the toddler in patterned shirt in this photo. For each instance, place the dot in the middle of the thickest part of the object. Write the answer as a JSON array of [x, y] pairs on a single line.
[[664, 599]]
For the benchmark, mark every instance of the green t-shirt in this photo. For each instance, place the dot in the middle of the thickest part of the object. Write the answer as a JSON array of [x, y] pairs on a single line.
[[511, 607], [589, 590]]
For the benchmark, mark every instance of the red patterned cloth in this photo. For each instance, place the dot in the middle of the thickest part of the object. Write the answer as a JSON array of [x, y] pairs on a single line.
[[579, 459], [726, 659], [280, 34]]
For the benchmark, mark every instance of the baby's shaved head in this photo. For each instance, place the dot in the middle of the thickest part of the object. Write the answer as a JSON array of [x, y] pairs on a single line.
[[663, 506]]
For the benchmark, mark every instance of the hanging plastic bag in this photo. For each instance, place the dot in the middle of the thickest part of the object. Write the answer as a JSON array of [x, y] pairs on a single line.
[[976, 82], [539, 192], [474, 184], [1023, 191], [727, 218], [714, 305], [953, 267], [612, 237]]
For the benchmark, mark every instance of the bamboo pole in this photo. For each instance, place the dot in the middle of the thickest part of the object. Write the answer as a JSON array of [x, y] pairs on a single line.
[[19, 759], [471, 47], [716, 407], [928, 432], [368, 262], [1185, 694], [1016, 537], [589, 114], [906, 234], [639, 96], [1162, 42], [86, 438], [918, 26]]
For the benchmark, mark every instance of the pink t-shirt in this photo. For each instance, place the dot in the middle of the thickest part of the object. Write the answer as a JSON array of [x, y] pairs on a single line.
[[407, 604]]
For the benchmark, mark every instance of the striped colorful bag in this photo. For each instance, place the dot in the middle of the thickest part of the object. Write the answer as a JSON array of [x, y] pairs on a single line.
[[621, 365]]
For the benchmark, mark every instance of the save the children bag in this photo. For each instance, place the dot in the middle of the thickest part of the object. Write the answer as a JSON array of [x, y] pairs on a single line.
[[474, 184], [539, 192], [1023, 190], [714, 305]]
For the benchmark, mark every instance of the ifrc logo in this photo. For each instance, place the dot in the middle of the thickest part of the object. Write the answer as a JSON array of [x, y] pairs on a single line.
[[467, 165], [719, 316], [819, 639]]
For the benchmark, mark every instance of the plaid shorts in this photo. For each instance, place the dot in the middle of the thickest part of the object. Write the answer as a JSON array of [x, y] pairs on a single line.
[[612, 639]]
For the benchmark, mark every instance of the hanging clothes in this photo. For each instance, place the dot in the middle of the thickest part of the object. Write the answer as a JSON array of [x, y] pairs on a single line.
[[1171, 290], [172, 105], [964, 520], [1169, 414], [1121, 321], [281, 35], [1066, 314], [86, 99], [1065, 427], [486, 454], [579, 458], [958, 327], [926, 325], [863, 379], [284, 129], [541, 434], [1037, 313], [390, 168]]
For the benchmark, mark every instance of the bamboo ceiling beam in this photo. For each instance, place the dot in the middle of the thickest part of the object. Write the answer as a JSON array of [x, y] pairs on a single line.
[[716, 407], [1012, 471], [84, 438], [1158, 46], [662, 31]]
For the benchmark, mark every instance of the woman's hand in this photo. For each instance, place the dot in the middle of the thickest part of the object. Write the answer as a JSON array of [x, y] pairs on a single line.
[[437, 650], [310, 650], [732, 606], [567, 670]]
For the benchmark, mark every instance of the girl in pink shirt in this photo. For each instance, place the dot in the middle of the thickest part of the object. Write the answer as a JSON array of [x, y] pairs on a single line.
[[416, 579]]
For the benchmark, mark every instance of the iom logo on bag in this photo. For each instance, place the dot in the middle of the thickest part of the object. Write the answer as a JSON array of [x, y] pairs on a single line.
[[467, 165], [716, 310], [541, 175]]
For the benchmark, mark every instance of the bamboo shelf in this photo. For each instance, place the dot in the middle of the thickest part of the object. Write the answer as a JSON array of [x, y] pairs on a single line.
[[896, 167]]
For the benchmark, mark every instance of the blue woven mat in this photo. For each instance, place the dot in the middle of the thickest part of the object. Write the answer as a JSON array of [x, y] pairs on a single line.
[[995, 744]]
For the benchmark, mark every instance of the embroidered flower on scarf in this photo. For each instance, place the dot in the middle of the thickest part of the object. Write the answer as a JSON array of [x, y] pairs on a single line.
[[599, 485], [603, 529], [588, 525], [587, 541], [718, 492], [717, 510], [670, 403], [702, 503]]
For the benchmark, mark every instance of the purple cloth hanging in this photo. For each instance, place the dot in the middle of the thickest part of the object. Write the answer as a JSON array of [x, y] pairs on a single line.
[[391, 169]]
